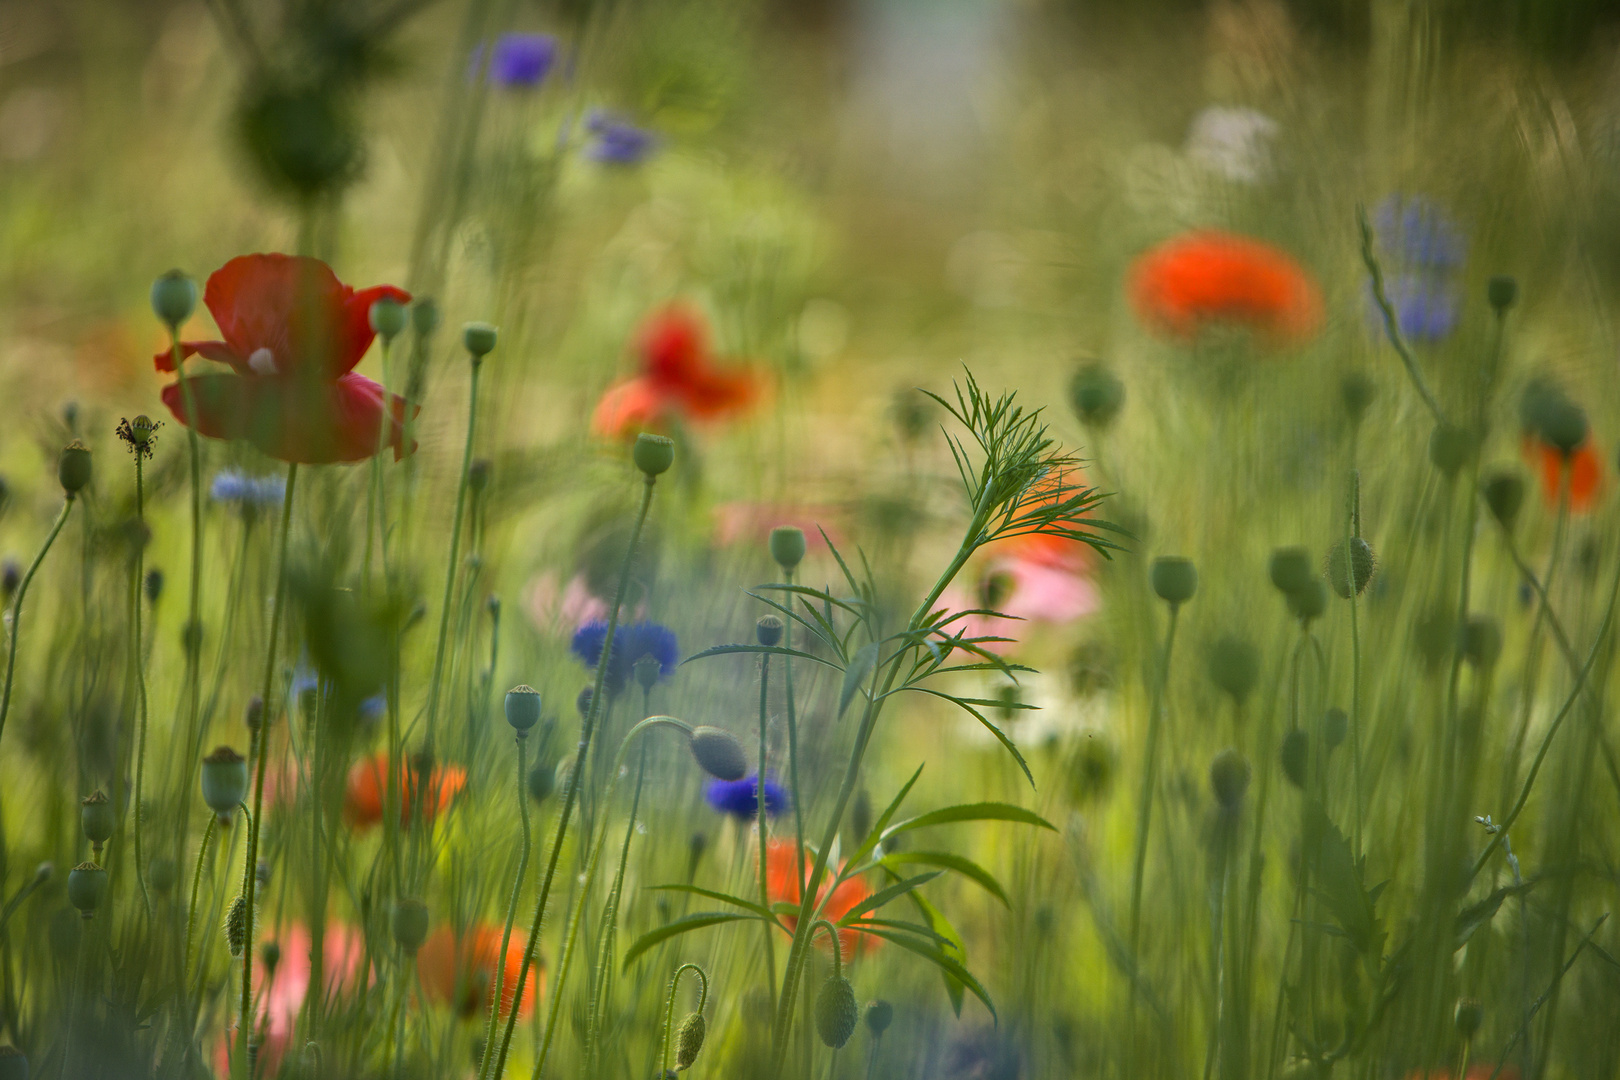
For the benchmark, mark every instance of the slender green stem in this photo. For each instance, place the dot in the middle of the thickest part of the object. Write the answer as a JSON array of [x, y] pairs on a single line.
[[455, 547], [764, 828], [140, 680], [1352, 530], [1144, 805], [669, 1011], [1391, 322], [512, 905], [73, 1002], [245, 1032], [196, 887], [610, 916], [16, 610], [193, 687], [793, 739]]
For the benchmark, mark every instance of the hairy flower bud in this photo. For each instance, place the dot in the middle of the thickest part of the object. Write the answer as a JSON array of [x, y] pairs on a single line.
[[689, 1040], [787, 546], [836, 1012], [719, 752], [236, 925], [174, 298], [1352, 570], [1468, 1017]]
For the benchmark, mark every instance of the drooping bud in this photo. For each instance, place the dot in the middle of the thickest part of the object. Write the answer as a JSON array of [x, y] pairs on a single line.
[[174, 298], [836, 1012], [522, 708], [479, 339], [73, 467], [787, 546], [236, 925], [86, 886], [409, 924], [97, 818], [1350, 571], [1096, 395], [689, 1040], [879, 1015], [653, 454], [270, 957], [1290, 569], [719, 753], [1234, 666], [1175, 579], [153, 585], [768, 630], [224, 781], [1229, 778], [388, 318], [1504, 494]]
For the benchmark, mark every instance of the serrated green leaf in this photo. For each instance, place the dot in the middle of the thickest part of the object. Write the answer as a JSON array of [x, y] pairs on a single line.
[[1481, 912], [886, 894], [778, 650], [875, 837]]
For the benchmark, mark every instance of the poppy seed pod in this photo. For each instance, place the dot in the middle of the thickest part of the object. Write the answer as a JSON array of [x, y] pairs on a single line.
[[836, 1012], [542, 781], [1175, 579], [719, 752], [409, 924], [1504, 494], [768, 630], [1548, 412], [1310, 601], [424, 316], [270, 957], [1352, 569], [1479, 639], [1096, 395], [1229, 778], [879, 1015], [479, 339], [174, 298], [1335, 726], [236, 925], [653, 454], [1468, 1017], [141, 428], [153, 585], [1290, 569], [522, 708], [97, 818], [787, 546], [162, 873], [1295, 755], [1234, 666], [388, 318], [224, 780], [13, 1065], [1356, 393], [1449, 447], [1502, 291], [689, 1040], [646, 671], [86, 886], [73, 467]]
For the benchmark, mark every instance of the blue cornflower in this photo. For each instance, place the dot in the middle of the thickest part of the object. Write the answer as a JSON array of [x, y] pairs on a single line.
[[1425, 309], [374, 708], [1415, 232], [520, 60], [630, 643], [617, 142], [231, 486], [740, 798]]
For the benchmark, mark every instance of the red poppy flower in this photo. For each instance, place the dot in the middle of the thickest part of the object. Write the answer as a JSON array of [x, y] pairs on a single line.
[[1585, 471], [783, 886], [677, 377], [368, 788], [1193, 281], [461, 970], [293, 333]]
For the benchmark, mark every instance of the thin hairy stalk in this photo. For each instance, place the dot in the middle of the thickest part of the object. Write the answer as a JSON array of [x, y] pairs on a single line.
[[610, 918], [136, 575], [376, 489], [669, 1010], [193, 684], [73, 1001], [764, 827], [1144, 805], [1523, 1030], [196, 886], [16, 609], [1391, 322], [793, 744], [1352, 528], [250, 885], [450, 569], [517, 889]]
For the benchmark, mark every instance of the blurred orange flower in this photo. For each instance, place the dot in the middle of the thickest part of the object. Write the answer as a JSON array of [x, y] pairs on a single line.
[[1478, 1071], [461, 969], [783, 885], [676, 377], [1204, 278], [368, 787], [1585, 471]]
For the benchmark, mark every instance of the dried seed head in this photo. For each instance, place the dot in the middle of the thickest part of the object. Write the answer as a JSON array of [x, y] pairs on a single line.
[[689, 1040], [768, 630], [522, 707], [86, 886], [97, 817], [836, 1012], [719, 752], [236, 925]]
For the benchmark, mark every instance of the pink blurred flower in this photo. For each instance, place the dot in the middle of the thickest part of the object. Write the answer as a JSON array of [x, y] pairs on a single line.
[[1038, 579], [752, 522], [553, 606], [280, 1003]]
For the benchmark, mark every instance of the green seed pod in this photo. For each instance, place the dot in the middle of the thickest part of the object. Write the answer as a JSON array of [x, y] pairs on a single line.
[[768, 630], [13, 1065], [1295, 756], [1449, 448], [174, 298], [162, 873], [424, 316], [236, 924], [1234, 666], [302, 139], [646, 671], [141, 429], [1468, 1018], [1504, 494], [73, 467], [1335, 726], [1479, 639], [1356, 393], [1175, 579], [522, 707], [1502, 291], [97, 817], [479, 339], [86, 886], [542, 781], [1096, 395], [1291, 569], [388, 318], [1229, 778], [153, 585], [1310, 601], [787, 546], [836, 1012], [1093, 770], [719, 752], [1548, 412], [1358, 566], [653, 454], [409, 923], [879, 1015], [270, 957], [689, 1040], [224, 780], [1434, 635]]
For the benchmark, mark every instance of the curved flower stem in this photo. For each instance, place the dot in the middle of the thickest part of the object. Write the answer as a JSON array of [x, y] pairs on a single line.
[[16, 610], [455, 547], [793, 738], [140, 682], [586, 731], [764, 827], [196, 886], [193, 687], [669, 1011], [245, 1030], [1352, 527], [517, 888], [1391, 323]]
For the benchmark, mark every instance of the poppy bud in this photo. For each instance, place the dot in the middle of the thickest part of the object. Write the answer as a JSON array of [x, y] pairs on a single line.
[[1229, 777], [162, 873], [1335, 726], [653, 454], [1096, 395], [696, 845], [86, 886], [388, 318], [1175, 579], [1309, 602], [1355, 569], [1234, 666], [1290, 569], [689, 1040], [860, 815], [300, 138], [424, 316], [409, 923], [768, 630], [719, 752], [1479, 639], [13, 1065], [1504, 494], [270, 957], [191, 636], [522, 708], [1449, 447], [479, 339], [97, 818], [879, 1015], [254, 713], [836, 1012], [1468, 1018], [1502, 291], [478, 475], [73, 467], [1295, 756], [236, 925], [174, 298], [224, 781], [10, 577], [1434, 636], [1356, 393], [1093, 770], [1555, 419], [787, 546], [542, 781]]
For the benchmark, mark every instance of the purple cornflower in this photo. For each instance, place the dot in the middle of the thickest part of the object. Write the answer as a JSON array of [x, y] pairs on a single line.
[[519, 61], [242, 490], [740, 798], [617, 142], [630, 643], [1426, 309], [1417, 234]]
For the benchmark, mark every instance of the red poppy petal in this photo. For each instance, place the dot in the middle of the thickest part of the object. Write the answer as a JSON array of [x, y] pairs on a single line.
[[1192, 281], [291, 305], [627, 408], [710, 394], [673, 345], [208, 350], [223, 404], [356, 329], [319, 422]]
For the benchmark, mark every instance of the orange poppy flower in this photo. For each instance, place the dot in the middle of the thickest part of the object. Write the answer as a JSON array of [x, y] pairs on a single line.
[[677, 377], [368, 788], [461, 970], [1203, 278], [1585, 471], [783, 885]]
